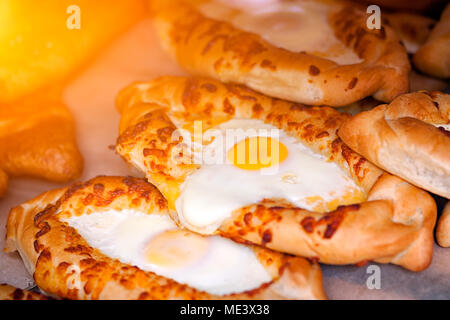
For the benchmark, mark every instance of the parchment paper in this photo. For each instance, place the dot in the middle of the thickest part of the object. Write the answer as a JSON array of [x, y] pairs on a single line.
[[137, 55]]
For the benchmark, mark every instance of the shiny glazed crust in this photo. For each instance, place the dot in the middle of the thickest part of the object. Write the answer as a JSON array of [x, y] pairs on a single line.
[[443, 227], [37, 138], [11, 293], [65, 266], [402, 138], [394, 225], [211, 48], [434, 56]]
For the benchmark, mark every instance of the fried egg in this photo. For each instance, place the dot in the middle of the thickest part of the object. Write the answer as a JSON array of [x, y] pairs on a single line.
[[300, 25], [152, 242], [247, 161]]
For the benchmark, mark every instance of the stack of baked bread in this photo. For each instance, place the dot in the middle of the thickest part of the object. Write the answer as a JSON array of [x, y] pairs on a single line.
[[255, 173]]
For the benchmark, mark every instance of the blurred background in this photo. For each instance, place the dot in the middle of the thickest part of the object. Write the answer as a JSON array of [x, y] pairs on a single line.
[[87, 51]]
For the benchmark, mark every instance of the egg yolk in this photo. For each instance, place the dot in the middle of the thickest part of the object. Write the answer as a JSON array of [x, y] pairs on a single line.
[[256, 153], [175, 249]]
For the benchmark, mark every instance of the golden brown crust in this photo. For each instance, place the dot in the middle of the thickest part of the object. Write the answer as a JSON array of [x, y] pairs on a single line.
[[216, 49], [37, 138], [64, 265], [403, 138], [348, 235], [11, 293], [434, 56], [443, 227]]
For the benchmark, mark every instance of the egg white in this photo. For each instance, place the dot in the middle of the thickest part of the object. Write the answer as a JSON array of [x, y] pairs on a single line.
[[209, 195], [226, 267]]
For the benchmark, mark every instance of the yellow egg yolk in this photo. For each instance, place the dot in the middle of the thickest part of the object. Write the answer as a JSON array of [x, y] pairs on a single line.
[[256, 153], [175, 249]]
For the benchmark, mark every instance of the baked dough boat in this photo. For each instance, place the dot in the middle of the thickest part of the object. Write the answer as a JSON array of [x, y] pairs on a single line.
[[313, 52], [389, 221], [409, 138], [64, 263]]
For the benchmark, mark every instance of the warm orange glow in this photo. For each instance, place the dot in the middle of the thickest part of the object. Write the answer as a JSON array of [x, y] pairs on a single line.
[[38, 48]]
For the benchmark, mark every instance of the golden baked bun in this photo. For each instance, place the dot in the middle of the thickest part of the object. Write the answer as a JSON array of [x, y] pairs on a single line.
[[10, 293], [326, 55], [84, 242], [37, 138], [443, 227], [39, 48], [370, 216], [433, 57], [408, 138]]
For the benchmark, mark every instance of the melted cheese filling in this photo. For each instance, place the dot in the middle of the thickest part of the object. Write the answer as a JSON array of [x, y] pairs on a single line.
[[298, 175], [300, 25], [153, 243]]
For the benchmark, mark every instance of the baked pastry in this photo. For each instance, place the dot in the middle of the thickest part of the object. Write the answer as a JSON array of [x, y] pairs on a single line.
[[443, 227], [37, 138], [434, 56], [64, 35], [307, 51], [11, 293], [409, 138], [342, 210], [112, 238]]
